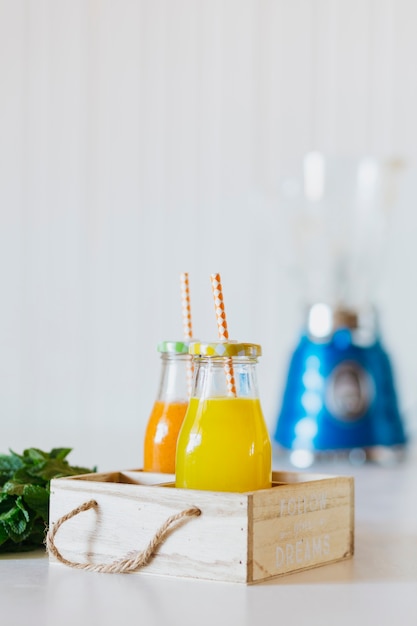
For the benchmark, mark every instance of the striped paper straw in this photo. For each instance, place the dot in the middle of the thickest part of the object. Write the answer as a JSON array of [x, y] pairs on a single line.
[[216, 285], [186, 307], [187, 323]]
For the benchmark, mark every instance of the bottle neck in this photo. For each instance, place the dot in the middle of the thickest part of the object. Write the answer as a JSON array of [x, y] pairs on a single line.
[[211, 379], [173, 378], [323, 321]]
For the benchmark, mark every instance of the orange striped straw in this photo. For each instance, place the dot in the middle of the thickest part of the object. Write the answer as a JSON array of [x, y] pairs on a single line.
[[186, 307], [187, 323], [216, 285]]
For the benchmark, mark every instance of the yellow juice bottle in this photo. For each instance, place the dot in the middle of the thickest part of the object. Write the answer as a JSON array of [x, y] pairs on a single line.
[[224, 443]]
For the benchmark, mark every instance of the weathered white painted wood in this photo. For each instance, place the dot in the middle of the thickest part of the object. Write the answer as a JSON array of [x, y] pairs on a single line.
[[301, 525], [301, 522]]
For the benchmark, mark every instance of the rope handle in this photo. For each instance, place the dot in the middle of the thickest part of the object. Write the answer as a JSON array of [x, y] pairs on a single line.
[[132, 561]]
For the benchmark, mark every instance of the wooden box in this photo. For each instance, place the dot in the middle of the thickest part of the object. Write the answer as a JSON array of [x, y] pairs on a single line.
[[302, 521]]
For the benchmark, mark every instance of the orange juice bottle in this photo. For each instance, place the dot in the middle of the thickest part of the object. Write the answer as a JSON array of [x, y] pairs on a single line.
[[169, 408], [224, 444]]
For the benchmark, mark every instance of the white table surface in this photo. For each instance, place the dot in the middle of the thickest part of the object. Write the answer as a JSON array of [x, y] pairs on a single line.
[[377, 586]]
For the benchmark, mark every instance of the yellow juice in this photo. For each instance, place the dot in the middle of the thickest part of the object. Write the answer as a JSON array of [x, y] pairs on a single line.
[[224, 445]]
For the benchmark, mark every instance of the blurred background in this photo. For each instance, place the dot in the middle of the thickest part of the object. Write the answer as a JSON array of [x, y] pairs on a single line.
[[144, 138]]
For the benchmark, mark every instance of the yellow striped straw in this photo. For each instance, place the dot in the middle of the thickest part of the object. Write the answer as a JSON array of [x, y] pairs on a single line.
[[216, 285]]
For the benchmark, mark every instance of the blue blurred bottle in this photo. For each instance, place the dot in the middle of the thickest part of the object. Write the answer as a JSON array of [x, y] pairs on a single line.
[[340, 396]]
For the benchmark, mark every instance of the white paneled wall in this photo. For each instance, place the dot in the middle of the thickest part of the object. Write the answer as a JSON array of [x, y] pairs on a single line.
[[142, 138]]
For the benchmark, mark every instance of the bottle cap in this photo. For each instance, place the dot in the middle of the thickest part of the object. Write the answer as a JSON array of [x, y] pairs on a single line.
[[224, 349], [173, 347]]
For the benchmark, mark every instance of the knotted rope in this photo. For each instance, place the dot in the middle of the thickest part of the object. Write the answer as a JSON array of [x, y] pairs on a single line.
[[131, 562]]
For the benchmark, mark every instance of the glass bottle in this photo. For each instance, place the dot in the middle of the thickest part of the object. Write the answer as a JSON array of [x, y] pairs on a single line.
[[224, 443], [169, 408]]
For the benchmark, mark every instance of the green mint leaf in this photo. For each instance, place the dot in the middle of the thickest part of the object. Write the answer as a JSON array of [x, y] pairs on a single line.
[[17, 457], [6, 502], [35, 455], [9, 463], [15, 521], [54, 468], [3, 534], [8, 466], [28, 475], [37, 498], [13, 488], [23, 510], [59, 453], [24, 495]]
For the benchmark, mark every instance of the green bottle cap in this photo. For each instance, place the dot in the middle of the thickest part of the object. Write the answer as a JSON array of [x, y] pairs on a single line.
[[173, 347]]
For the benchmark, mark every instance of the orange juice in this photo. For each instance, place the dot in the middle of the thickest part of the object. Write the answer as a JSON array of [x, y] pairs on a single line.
[[224, 445], [161, 436]]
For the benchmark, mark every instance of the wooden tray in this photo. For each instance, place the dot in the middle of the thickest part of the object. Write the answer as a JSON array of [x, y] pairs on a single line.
[[304, 520]]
